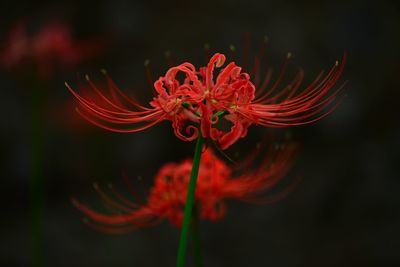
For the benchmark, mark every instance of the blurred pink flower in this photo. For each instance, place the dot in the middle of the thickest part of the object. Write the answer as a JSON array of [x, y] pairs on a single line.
[[47, 49]]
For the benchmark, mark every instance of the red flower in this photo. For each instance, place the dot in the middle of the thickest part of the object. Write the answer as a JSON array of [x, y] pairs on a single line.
[[216, 183], [212, 104], [50, 47]]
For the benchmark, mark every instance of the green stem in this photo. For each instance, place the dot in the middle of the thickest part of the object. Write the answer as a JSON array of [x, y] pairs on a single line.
[[38, 98], [197, 255], [189, 202]]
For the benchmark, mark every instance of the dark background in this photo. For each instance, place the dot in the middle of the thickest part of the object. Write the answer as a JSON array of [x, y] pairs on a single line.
[[345, 212]]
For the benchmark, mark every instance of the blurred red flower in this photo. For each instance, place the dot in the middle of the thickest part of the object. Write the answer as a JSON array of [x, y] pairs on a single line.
[[216, 183], [222, 107], [51, 47]]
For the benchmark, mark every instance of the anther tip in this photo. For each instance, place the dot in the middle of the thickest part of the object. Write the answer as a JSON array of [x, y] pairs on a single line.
[[265, 39], [87, 77], [103, 71], [289, 55], [96, 186], [232, 47], [337, 63], [146, 62]]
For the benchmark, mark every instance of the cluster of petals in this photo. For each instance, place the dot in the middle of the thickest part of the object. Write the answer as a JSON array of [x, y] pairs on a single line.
[[221, 104], [217, 182], [47, 48]]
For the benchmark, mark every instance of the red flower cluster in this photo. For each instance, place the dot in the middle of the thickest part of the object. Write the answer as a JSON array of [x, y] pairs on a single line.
[[50, 47], [222, 107], [216, 183]]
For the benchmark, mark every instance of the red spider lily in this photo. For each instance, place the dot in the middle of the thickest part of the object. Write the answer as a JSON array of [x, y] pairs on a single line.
[[201, 101], [216, 183], [50, 47]]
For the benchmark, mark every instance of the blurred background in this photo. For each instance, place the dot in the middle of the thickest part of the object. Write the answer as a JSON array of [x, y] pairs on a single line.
[[345, 212]]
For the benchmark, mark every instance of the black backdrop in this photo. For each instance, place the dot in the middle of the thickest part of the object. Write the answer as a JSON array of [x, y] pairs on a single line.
[[345, 212]]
